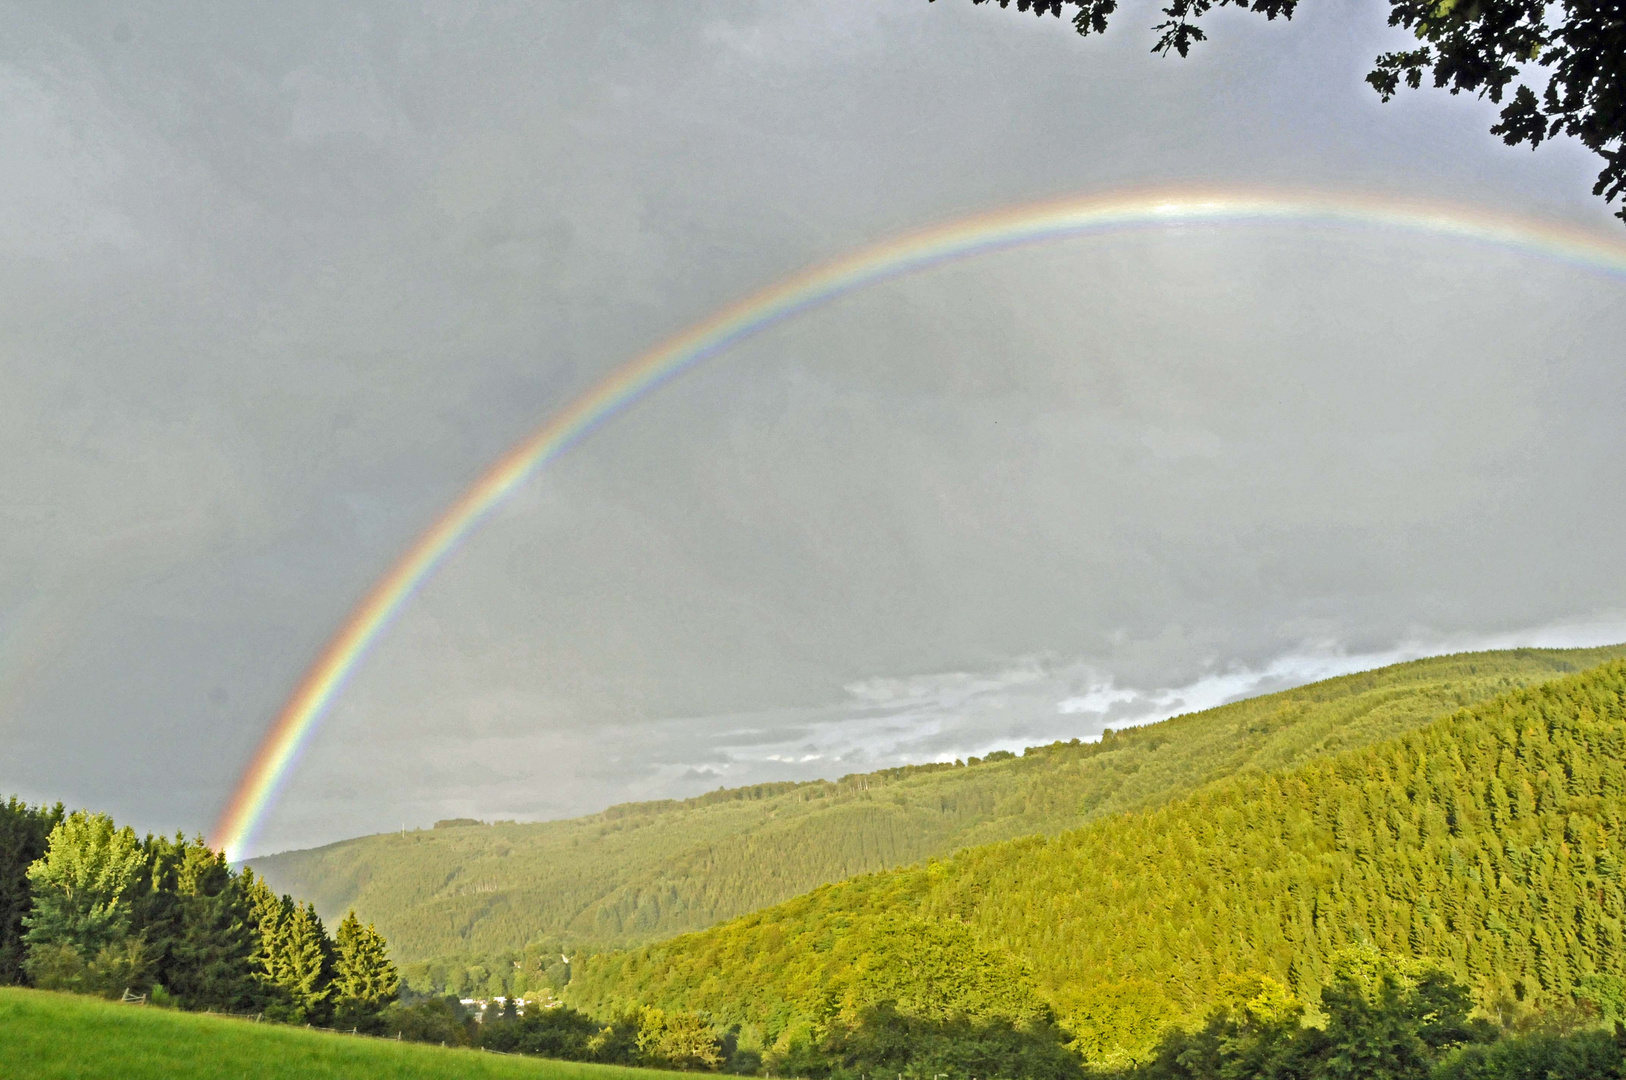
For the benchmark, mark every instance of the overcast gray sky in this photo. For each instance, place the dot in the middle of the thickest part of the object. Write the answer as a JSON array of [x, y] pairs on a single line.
[[279, 280]]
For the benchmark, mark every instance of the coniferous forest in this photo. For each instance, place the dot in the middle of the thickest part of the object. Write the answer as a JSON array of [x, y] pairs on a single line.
[[461, 902], [91, 908], [1445, 901], [1486, 844]]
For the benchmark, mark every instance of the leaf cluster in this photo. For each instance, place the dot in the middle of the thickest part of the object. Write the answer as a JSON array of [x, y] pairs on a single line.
[[1384, 1020], [1484, 47]]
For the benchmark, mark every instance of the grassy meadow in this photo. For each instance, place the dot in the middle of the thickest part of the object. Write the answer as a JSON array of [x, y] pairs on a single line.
[[47, 1036]]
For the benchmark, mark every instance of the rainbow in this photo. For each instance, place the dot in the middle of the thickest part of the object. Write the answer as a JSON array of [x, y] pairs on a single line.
[[300, 716]]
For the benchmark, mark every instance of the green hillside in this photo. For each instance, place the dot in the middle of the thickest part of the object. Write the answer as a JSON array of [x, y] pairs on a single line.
[[45, 1036], [645, 871], [1490, 840]]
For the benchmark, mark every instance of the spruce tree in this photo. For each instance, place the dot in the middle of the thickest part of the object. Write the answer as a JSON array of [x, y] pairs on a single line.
[[304, 965], [267, 913], [364, 980], [208, 934]]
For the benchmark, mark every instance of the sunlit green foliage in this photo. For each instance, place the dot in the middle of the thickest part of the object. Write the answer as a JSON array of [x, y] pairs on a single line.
[[1382, 1019], [1489, 841], [1584, 1055], [364, 980], [267, 913], [79, 927], [109, 914], [678, 1040], [303, 969], [474, 895]]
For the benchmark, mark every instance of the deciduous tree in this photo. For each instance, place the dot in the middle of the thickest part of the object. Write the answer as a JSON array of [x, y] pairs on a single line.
[[79, 928], [1555, 68]]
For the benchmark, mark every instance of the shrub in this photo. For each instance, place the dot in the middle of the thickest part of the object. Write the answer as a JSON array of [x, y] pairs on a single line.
[[432, 1020], [677, 1040]]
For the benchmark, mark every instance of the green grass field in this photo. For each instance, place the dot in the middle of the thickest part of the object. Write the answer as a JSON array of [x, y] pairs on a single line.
[[50, 1036]]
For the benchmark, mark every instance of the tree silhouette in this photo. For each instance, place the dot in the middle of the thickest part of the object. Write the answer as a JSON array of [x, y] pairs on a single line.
[[1493, 48]]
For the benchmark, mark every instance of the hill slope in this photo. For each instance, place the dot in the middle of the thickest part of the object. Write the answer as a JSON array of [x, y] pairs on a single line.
[[1491, 840], [46, 1036], [645, 871]]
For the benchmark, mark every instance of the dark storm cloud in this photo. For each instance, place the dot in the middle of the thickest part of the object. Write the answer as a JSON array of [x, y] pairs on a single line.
[[278, 282]]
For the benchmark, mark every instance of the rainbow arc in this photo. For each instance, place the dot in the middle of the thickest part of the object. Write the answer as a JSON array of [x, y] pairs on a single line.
[[301, 716]]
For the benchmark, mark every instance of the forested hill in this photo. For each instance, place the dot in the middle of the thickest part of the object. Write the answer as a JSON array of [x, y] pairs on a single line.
[[1491, 841], [646, 871]]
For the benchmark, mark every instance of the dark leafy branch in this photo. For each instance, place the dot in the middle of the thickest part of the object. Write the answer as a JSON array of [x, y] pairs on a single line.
[[1493, 48]]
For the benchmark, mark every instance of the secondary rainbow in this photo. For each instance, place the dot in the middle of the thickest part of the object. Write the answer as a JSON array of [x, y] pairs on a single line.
[[300, 716]]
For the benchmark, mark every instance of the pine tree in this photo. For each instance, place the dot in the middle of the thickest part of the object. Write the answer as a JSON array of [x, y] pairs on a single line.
[[364, 980]]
